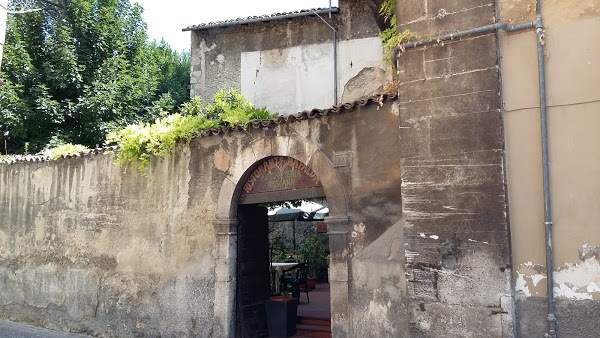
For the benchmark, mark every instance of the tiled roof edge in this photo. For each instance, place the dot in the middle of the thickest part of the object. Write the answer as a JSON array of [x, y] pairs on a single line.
[[260, 18], [256, 124], [304, 115], [46, 158]]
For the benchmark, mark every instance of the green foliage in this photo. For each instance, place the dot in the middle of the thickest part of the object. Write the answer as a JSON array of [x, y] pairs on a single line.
[[390, 36], [64, 149], [139, 142], [315, 249], [388, 12], [79, 72]]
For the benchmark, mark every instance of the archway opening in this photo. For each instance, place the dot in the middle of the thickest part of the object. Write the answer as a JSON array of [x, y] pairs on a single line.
[[282, 249]]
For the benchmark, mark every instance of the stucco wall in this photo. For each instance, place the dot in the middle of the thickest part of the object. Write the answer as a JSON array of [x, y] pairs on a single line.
[[298, 78], [287, 64], [89, 247], [572, 41], [454, 201]]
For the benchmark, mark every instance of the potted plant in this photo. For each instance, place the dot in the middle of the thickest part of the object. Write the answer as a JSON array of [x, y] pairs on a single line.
[[315, 250], [282, 312]]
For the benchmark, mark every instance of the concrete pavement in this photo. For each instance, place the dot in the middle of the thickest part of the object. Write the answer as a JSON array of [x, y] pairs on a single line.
[[9, 329]]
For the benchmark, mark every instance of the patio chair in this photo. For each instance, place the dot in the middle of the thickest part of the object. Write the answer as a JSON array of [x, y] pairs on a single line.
[[295, 281]]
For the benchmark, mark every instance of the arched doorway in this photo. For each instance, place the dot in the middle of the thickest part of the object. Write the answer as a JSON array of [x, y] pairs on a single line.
[[226, 226], [275, 179]]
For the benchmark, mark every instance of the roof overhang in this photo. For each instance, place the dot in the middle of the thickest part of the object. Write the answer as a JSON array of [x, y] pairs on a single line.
[[262, 19]]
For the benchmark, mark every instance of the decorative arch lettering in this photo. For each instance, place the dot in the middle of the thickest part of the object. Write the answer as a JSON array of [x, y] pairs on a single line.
[[281, 173]]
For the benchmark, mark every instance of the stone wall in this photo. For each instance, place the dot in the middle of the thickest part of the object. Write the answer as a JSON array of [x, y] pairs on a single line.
[[454, 199], [87, 246], [287, 65], [572, 42]]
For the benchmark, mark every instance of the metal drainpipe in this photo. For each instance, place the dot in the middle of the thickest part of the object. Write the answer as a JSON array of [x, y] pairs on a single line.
[[539, 27], [335, 61], [335, 68], [335, 57], [459, 34]]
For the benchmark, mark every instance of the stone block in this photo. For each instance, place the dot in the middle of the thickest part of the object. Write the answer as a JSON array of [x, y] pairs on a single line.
[[437, 68], [408, 11], [410, 66], [450, 175], [44, 285], [437, 52], [466, 133], [451, 86], [415, 138], [439, 7], [474, 54], [441, 23], [469, 103], [11, 287]]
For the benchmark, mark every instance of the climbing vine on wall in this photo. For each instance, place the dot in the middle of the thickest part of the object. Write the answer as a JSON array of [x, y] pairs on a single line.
[[390, 36]]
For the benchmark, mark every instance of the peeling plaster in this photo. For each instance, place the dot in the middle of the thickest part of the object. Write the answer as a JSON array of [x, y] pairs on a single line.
[[577, 281], [521, 285], [537, 278], [379, 312], [358, 229], [566, 292]]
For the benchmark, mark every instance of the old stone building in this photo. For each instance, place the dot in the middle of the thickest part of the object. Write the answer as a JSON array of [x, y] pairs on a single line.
[[436, 196], [292, 61], [472, 166]]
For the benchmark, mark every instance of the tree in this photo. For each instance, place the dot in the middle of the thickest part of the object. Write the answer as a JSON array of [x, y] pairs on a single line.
[[76, 69]]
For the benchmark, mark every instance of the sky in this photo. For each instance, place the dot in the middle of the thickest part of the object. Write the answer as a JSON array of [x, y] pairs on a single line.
[[165, 19]]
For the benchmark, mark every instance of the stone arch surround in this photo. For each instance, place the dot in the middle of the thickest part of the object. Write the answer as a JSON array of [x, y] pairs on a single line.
[[225, 224]]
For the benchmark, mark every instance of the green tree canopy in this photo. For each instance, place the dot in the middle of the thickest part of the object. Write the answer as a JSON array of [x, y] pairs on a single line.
[[74, 74]]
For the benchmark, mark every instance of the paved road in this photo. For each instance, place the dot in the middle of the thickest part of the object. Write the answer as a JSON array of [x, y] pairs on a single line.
[[12, 330]]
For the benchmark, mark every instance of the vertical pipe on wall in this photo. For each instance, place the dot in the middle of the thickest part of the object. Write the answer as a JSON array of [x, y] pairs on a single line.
[[335, 59], [546, 171], [335, 68]]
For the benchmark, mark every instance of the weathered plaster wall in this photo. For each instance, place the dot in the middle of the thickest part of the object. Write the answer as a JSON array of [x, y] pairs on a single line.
[[232, 57], [454, 201], [88, 247], [296, 78], [572, 41]]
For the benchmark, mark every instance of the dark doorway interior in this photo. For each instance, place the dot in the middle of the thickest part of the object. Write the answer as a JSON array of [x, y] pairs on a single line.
[[257, 277], [259, 274], [253, 271]]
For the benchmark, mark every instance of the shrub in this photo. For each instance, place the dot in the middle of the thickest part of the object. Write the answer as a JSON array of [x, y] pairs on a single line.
[[139, 142]]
